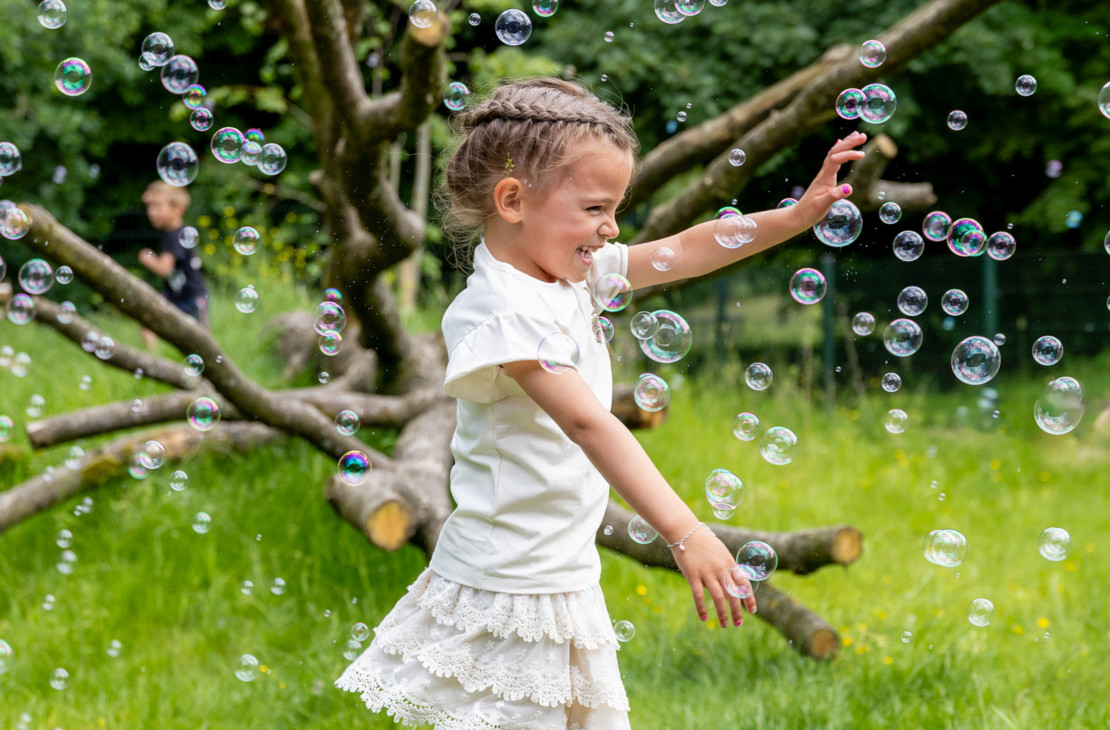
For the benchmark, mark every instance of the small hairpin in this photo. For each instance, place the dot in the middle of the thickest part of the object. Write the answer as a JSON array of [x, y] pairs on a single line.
[[508, 166]]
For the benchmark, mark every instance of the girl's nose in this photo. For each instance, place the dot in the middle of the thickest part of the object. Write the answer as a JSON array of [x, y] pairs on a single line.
[[609, 229]]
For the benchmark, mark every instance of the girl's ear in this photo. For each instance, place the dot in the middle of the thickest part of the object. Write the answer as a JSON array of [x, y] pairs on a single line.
[[507, 199]]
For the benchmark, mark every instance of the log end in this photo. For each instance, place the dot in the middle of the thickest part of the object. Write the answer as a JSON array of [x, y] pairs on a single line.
[[391, 525], [886, 146], [847, 546], [823, 644]]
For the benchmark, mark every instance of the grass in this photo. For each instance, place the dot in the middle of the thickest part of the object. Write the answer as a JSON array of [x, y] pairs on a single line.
[[174, 598]]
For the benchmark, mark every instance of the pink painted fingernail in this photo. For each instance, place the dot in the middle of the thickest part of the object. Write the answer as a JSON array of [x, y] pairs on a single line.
[[846, 189]]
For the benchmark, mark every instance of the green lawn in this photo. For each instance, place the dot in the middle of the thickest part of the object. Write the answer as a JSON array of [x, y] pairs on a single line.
[[174, 598]]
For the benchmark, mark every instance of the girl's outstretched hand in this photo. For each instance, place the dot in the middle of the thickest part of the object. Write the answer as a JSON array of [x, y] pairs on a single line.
[[824, 190], [709, 566]]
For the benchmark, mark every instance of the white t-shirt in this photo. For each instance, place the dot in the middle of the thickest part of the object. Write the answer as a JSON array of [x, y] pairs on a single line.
[[528, 501]]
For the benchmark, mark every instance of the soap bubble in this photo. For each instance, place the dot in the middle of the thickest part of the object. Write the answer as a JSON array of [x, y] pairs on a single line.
[[957, 120], [872, 53], [689, 7], [247, 668], [935, 225], [863, 323], [946, 548], [723, 489], [612, 292], [52, 14], [902, 337], [667, 11], [966, 237], [7, 656], [73, 77], [277, 586], [7, 426], [354, 468], [624, 631], [36, 276], [474, 19], [157, 49], [252, 151], [841, 225], [66, 312], [67, 562], [890, 212], [35, 404], [1060, 408], [20, 309], [194, 365], [640, 531], [203, 414], [179, 481], [908, 246], [644, 325], [976, 360], [1104, 100], [745, 426], [758, 376], [246, 240], [360, 632], [1001, 246], [152, 455], [74, 459], [757, 560], [329, 344], [671, 341], [59, 679], [651, 392], [1048, 350], [662, 258], [331, 294], [177, 164], [115, 648], [423, 13], [980, 612], [557, 353], [14, 223], [879, 103], [189, 237], [1025, 85], [328, 317], [455, 96], [89, 340], [1073, 219], [227, 145], [273, 159], [347, 422], [849, 103], [896, 420], [64, 539], [179, 73], [105, 347], [193, 98], [737, 156], [912, 301], [512, 27], [1054, 544], [778, 445], [246, 301], [11, 160], [808, 286], [891, 382], [733, 231], [603, 329], [954, 303], [63, 275]]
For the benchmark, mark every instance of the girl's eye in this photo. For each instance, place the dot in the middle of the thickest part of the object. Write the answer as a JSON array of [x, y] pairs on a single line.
[[596, 209]]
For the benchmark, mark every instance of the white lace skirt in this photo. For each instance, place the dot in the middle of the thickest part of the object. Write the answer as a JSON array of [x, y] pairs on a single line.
[[460, 658]]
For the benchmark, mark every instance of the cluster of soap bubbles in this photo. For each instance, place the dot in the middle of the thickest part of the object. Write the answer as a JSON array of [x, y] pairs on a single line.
[[724, 491], [733, 229], [875, 103]]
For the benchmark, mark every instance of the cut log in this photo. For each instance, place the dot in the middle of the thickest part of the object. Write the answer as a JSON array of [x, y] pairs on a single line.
[[631, 415], [806, 631]]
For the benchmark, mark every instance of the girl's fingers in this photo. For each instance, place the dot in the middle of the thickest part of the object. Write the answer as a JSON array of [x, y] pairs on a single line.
[[699, 601], [734, 605], [749, 603], [718, 596]]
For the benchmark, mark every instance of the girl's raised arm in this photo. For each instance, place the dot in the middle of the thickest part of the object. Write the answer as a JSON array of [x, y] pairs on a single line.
[[696, 251]]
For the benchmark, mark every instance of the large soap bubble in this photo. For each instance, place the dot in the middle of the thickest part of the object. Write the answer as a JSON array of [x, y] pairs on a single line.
[[841, 225], [903, 337], [672, 340], [976, 360]]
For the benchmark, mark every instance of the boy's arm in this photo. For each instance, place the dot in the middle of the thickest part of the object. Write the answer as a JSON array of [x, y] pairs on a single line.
[[161, 264], [696, 251]]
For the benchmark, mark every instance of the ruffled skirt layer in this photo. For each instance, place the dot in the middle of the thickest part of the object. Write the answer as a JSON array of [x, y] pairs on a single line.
[[460, 658]]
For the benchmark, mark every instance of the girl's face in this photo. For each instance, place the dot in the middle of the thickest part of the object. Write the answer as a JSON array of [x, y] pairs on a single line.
[[563, 227]]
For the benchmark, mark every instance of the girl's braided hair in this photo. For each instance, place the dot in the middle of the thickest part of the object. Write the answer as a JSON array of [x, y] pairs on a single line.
[[524, 129]]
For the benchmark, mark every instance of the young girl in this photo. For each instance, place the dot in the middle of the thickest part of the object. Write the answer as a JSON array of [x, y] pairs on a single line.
[[507, 627]]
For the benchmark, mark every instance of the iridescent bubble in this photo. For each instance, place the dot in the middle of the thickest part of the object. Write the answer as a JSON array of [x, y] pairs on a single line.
[[35, 404], [59, 679], [36, 276], [254, 134], [273, 159], [194, 365], [863, 323], [976, 360], [612, 292], [957, 120], [1104, 100], [64, 539], [908, 246], [7, 658], [20, 309], [347, 422], [689, 7], [179, 73], [966, 237], [980, 612], [667, 11], [603, 329], [137, 405], [246, 587], [246, 670], [879, 103], [545, 8], [849, 103], [808, 286], [89, 340], [152, 455], [177, 164], [890, 212], [66, 311], [733, 231], [786, 203], [354, 468], [105, 347], [1001, 246], [624, 631], [52, 14], [227, 145], [423, 13], [907, 637], [912, 301], [778, 445], [954, 303], [723, 489], [841, 225], [179, 481], [896, 420], [328, 317], [671, 341], [203, 414], [360, 632], [640, 531], [354, 648], [252, 151], [189, 237], [67, 562], [115, 648], [201, 119], [11, 159], [946, 548], [74, 459], [872, 53], [193, 97], [513, 27], [651, 392], [737, 157], [246, 301], [1053, 169], [644, 325], [456, 94], [745, 426], [73, 77], [757, 560], [331, 294], [1054, 543], [935, 226], [330, 344], [63, 275], [891, 382], [7, 426], [1048, 350], [217, 4], [758, 376], [902, 337], [1060, 408], [157, 49], [474, 19], [1073, 219], [558, 352], [246, 240], [14, 223], [1025, 85]]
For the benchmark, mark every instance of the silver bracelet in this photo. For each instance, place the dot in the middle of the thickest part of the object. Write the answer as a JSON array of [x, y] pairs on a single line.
[[679, 545]]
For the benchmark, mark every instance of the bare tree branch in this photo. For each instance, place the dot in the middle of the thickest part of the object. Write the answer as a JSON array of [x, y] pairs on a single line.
[[338, 66]]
